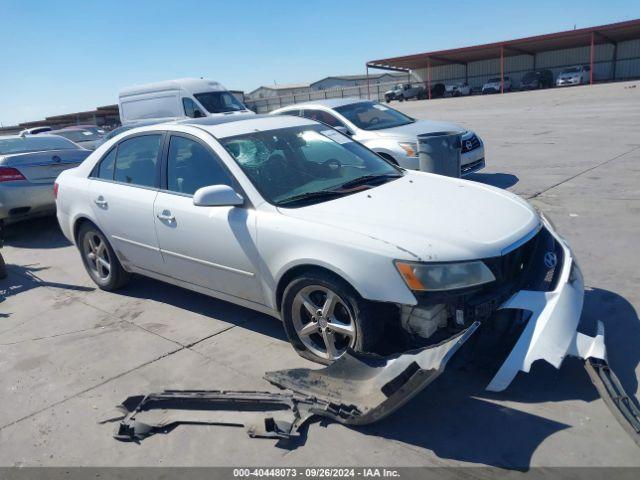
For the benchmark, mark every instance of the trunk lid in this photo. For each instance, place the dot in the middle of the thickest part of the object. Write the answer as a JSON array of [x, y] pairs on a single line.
[[44, 167]]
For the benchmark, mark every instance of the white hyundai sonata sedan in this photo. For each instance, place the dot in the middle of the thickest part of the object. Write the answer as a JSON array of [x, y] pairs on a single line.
[[290, 217]]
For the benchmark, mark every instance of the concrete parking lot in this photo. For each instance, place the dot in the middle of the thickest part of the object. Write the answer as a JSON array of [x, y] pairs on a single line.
[[70, 352]]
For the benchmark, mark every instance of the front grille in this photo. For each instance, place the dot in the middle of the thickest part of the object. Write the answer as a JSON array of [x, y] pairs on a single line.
[[470, 144], [525, 268]]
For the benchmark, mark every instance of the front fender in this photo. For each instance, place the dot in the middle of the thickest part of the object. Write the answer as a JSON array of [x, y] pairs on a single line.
[[364, 262]]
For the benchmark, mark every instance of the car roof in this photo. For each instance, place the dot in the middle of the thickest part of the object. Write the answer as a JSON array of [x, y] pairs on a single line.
[[231, 125], [39, 135], [193, 85], [329, 103]]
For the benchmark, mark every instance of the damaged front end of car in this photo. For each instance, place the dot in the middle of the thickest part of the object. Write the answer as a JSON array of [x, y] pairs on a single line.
[[536, 279]]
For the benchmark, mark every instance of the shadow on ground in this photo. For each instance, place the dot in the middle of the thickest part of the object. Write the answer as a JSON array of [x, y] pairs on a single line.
[[149, 289], [35, 233], [622, 333], [23, 278], [501, 180]]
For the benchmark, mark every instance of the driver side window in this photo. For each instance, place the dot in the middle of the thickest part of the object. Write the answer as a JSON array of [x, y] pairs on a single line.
[[190, 108], [191, 166], [322, 116]]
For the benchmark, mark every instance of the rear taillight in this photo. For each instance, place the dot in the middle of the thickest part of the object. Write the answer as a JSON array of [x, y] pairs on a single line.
[[8, 174], [55, 190]]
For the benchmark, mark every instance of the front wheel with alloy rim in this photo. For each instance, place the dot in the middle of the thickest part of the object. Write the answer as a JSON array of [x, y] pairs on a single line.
[[99, 259], [323, 317]]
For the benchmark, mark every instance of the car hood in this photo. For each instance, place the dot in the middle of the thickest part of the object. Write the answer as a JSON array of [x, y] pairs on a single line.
[[430, 217], [569, 75], [412, 130]]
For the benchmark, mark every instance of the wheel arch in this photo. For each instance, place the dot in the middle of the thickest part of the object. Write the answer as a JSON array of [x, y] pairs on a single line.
[[77, 223], [298, 270]]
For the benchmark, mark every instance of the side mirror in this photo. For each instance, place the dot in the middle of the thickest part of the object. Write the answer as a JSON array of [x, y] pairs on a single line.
[[217, 196], [343, 130], [197, 114]]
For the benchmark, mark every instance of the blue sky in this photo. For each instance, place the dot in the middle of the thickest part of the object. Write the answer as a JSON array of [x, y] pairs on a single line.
[[63, 56]]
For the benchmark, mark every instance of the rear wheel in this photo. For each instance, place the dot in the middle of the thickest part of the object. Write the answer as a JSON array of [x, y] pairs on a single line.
[[99, 259], [323, 317]]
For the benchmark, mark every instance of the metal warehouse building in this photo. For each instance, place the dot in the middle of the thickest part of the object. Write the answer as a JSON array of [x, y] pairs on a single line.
[[613, 51]]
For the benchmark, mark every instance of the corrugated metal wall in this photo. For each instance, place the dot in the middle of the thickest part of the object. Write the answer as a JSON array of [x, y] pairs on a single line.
[[627, 66]]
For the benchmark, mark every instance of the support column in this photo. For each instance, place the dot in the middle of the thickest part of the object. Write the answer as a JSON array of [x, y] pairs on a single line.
[[615, 61], [592, 54], [501, 68], [429, 77], [368, 86], [466, 73]]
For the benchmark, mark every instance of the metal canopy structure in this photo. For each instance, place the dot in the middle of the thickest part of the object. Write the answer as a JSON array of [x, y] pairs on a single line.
[[105, 115], [604, 34]]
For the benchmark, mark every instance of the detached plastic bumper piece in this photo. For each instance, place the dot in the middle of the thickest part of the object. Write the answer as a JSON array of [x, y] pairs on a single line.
[[357, 389]]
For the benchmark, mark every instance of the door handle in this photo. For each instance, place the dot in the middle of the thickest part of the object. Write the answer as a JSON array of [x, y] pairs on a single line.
[[166, 216], [100, 201]]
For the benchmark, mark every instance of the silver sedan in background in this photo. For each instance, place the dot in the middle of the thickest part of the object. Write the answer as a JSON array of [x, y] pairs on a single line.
[[29, 165], [87, 137], [388, 132]]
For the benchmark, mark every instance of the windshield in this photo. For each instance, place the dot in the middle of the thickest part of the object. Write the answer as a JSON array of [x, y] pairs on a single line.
[[298, 165], [572, 70], [219, 102], [78, 135], [39, 143], [373, 116]]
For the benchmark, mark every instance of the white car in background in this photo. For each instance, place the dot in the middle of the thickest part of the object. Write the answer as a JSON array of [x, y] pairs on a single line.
[[388, 132], [292, 218], [457, 89], [577, 75], [493, 85]]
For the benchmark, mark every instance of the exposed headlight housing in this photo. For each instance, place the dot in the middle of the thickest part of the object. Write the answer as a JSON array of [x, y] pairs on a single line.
[[434, 277], [410, 148]]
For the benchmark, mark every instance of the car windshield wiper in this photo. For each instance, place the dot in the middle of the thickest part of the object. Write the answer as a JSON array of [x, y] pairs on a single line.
[[366, 179], [318, 195]]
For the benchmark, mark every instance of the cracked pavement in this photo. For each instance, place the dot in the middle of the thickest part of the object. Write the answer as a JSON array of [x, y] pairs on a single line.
[[69, 352]]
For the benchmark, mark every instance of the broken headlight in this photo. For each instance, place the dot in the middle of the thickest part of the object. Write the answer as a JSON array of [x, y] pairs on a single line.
[[444, 276]]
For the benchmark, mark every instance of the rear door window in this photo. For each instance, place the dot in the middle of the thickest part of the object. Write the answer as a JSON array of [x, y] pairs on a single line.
[[137, 160], [105, 169]]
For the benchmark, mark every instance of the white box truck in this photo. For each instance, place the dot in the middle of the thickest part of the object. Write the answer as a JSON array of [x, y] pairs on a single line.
[[180, 98]]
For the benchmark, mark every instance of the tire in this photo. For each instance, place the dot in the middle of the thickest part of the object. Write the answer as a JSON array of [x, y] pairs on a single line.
[[401, 98], [308, 332], [99, 259], [3, 268]]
